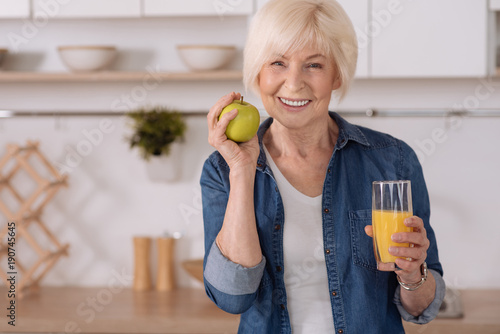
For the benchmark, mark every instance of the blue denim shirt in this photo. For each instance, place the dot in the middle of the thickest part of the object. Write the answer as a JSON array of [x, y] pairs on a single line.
[[363, 299]]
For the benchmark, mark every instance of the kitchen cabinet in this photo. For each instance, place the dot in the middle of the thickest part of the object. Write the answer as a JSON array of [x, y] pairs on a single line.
[[88, 9], [495, 5], [261, 3], [410, 38], [197, 7], [14, 9], [358, 12]]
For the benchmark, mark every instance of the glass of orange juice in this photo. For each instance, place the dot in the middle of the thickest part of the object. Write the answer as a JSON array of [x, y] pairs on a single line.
[[391, 205]]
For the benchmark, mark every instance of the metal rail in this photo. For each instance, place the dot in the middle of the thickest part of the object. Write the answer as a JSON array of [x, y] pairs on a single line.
[[346, 112]]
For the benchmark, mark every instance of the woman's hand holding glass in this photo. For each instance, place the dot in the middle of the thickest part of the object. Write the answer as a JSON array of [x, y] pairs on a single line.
[[236, 155], [412, 257]]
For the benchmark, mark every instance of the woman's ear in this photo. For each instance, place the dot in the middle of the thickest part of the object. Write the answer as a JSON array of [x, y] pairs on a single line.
[[257, 86], [337, 83]]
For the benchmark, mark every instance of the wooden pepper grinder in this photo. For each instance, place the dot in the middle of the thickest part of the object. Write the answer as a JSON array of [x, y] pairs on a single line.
[[165, 280], [142, 270]]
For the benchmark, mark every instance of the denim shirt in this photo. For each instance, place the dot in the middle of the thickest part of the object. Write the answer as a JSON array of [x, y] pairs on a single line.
[[363, 299]]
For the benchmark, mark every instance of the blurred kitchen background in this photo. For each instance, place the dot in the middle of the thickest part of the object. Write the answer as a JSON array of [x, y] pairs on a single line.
[[427, 73]]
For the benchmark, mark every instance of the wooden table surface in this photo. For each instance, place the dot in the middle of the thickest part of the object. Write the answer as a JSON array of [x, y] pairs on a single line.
[[102, 310], [481, 316]]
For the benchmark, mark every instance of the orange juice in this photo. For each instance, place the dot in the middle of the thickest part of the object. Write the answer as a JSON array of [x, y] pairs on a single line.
[[386, 223]]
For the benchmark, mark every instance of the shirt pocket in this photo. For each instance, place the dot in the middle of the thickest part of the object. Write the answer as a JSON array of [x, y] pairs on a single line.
[[362, 245]]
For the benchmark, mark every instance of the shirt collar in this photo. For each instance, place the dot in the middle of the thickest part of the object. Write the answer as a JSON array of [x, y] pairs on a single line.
[[347, 132]]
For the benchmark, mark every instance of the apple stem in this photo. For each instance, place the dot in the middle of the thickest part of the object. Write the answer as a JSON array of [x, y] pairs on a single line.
[[241, 100]]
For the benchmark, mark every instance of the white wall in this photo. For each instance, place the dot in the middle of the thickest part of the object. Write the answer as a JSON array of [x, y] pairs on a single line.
[[110, 199]]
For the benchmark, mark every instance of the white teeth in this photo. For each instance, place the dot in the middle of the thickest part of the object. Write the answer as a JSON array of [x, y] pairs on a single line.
[[294, 103]]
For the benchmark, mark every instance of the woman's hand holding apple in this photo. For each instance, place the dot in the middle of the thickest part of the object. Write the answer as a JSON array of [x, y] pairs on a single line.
[[236, 155]]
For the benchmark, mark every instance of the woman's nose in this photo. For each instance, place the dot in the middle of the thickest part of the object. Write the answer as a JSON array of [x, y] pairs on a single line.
[[294, 80]]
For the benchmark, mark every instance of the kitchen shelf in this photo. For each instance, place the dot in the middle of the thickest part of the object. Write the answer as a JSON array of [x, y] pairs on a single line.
[[115, 76]]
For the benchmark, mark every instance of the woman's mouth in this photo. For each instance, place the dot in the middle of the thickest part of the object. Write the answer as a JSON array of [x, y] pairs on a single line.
[[294, 103]]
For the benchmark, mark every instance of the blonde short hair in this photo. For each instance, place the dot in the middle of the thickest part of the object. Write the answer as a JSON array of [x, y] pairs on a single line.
[[283, 26]]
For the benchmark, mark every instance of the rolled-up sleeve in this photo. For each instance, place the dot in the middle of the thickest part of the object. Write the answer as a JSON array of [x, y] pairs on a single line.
[[432, 310], [232, 287], [229, 277]]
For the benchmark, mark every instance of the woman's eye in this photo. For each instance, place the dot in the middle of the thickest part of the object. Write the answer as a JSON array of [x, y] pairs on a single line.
[[315, 65], [277, 63]]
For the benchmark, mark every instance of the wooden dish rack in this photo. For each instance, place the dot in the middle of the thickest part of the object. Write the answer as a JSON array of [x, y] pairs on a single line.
[[24, 211]]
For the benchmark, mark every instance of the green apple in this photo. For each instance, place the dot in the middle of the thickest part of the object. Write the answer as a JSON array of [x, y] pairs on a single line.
[[245, 125]]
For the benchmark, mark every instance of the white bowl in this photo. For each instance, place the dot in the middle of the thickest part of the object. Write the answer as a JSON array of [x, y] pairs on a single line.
[[206, 57], [87, 58]]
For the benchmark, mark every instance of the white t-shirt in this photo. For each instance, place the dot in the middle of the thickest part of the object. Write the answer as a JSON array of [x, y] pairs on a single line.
[[306, 281]]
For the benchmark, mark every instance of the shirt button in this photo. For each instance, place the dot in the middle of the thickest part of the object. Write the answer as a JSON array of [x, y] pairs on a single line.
[[278, 268], [276, 189], [277, 227], [328, 251], [326, 210], [329, 170], [259, 165], [282, 306], [340, 331], [334, 293]]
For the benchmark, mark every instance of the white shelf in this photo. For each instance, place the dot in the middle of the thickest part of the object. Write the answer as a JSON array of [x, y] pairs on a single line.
[[115, 76]]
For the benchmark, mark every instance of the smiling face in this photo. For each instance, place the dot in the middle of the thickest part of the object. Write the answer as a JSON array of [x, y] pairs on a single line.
[[296, 88]]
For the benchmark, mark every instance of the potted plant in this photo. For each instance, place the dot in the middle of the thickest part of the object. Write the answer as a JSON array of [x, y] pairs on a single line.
[[157, 132]]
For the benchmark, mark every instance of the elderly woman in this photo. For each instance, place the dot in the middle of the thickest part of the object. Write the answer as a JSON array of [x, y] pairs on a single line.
[[287, 214]]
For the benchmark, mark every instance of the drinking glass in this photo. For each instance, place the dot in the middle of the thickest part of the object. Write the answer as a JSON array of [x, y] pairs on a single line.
[[391, 205]]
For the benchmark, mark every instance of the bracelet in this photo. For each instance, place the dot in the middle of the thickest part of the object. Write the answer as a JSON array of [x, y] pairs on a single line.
[[415, 286]]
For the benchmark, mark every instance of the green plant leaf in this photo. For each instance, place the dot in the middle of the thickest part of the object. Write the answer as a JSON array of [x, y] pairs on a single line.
[[155, 129]]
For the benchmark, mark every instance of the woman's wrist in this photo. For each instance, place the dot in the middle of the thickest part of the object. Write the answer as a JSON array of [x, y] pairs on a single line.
[[242, 173], [409, 279], [414, 283]]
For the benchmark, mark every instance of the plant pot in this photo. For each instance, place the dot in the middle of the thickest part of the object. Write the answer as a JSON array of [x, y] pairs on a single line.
[[165, 168]]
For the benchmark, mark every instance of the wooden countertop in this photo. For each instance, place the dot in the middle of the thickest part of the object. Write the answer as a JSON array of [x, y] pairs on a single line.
[[481, 316], [103, 310]]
